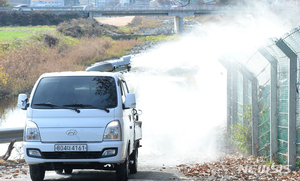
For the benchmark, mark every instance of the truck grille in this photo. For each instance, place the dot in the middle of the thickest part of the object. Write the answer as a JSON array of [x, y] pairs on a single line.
[[71, 155]]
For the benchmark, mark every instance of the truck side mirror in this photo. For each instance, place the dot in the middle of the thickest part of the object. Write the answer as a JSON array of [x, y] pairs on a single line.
[[130, 101], [22, 101]]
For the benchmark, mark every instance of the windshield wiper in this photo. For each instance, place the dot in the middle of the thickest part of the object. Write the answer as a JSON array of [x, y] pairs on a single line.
[[52, 105], [87, 105]]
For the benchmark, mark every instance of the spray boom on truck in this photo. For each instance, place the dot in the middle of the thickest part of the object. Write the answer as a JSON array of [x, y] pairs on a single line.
[[121, 65]]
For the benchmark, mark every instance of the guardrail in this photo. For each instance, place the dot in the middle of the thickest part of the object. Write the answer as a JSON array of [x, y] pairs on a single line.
[[138, 7], [206, 7], [8, 134], [126, 8], [44, 8]]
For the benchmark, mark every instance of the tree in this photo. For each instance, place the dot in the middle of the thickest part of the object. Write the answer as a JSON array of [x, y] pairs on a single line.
[[4, 3]]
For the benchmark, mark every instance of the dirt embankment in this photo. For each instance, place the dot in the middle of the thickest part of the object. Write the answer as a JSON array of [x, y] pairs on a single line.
[[116, 21]]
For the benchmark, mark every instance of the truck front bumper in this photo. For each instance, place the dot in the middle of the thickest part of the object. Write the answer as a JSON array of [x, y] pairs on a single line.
[[95, 153]]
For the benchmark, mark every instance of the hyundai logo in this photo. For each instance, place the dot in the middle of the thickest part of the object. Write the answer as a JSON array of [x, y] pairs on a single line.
[[71, 132]]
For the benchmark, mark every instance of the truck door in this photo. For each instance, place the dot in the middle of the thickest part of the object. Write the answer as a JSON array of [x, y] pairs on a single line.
[[127, 116]]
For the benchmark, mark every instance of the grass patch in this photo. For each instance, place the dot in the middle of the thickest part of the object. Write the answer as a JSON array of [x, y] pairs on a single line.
[[126, 29], [28, 28], [157, 38], [143, 23], [21, 34], [69, 41], [4, 35], [143, 38]]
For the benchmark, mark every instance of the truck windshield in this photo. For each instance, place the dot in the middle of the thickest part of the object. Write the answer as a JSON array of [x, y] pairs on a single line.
[[86, 92]]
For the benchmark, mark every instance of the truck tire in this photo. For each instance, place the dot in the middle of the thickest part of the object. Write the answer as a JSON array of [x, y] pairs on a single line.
[[122, 170], [68, 170], [37, 173], [134, 161]]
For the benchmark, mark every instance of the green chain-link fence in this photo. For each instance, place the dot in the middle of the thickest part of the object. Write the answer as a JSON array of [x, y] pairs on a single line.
[[267, 79]]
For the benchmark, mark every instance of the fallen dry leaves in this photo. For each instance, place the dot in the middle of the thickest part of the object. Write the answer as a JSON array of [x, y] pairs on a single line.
[[238, 167], [229, 167], [13, 169]]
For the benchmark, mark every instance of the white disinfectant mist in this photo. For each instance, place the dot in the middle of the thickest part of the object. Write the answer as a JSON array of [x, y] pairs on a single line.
[[181, 89], [182, 93]]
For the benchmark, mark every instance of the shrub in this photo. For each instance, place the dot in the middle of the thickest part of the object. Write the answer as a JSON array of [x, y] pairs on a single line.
[[3, 79], [34, 18], [241, 133], [241, 137], [4, 46], [143, 23], [81, 27], [50, 41], [23, 66], [4, 3]]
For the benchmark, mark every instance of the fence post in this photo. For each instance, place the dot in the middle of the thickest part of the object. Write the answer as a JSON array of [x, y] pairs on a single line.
[[254, 111], [273, 103], [229, 97], [228, 66], [234, 95], [245, 98], [292, 136], [254, 118]]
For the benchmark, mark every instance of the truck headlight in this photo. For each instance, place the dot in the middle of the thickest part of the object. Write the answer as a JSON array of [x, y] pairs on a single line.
[[112, 131], [32, 132]]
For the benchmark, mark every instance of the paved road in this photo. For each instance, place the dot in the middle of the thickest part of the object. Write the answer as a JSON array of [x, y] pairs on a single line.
[[144, 173], [152, 166]]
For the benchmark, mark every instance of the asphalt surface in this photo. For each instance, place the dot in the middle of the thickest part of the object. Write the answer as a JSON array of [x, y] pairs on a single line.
[[144, 174], [151, 166]]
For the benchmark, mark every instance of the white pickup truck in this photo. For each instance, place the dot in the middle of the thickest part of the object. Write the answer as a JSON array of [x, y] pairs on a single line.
[[81, 120]]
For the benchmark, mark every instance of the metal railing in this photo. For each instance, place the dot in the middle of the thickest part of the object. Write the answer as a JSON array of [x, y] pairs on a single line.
[[8, 134], [126, 8]]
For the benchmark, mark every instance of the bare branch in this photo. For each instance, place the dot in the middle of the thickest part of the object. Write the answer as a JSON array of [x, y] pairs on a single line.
[[8, 152]]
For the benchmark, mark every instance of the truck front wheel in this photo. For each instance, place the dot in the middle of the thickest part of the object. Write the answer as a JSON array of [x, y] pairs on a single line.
[[122, 170], [37, 173], [134, 161]]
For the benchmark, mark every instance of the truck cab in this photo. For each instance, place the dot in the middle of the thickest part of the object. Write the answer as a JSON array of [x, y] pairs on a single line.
[[81, 120]]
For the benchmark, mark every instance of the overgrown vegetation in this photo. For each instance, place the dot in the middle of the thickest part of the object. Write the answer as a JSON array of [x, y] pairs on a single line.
[[26, 52], [137, 24], [15, 37], [141, 23], [146, 38], [34, 18], [81, 27], [23, 66], [241, 133], [4, 3]]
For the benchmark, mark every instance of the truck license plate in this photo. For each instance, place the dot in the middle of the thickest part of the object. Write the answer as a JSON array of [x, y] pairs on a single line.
[[70, 148]]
